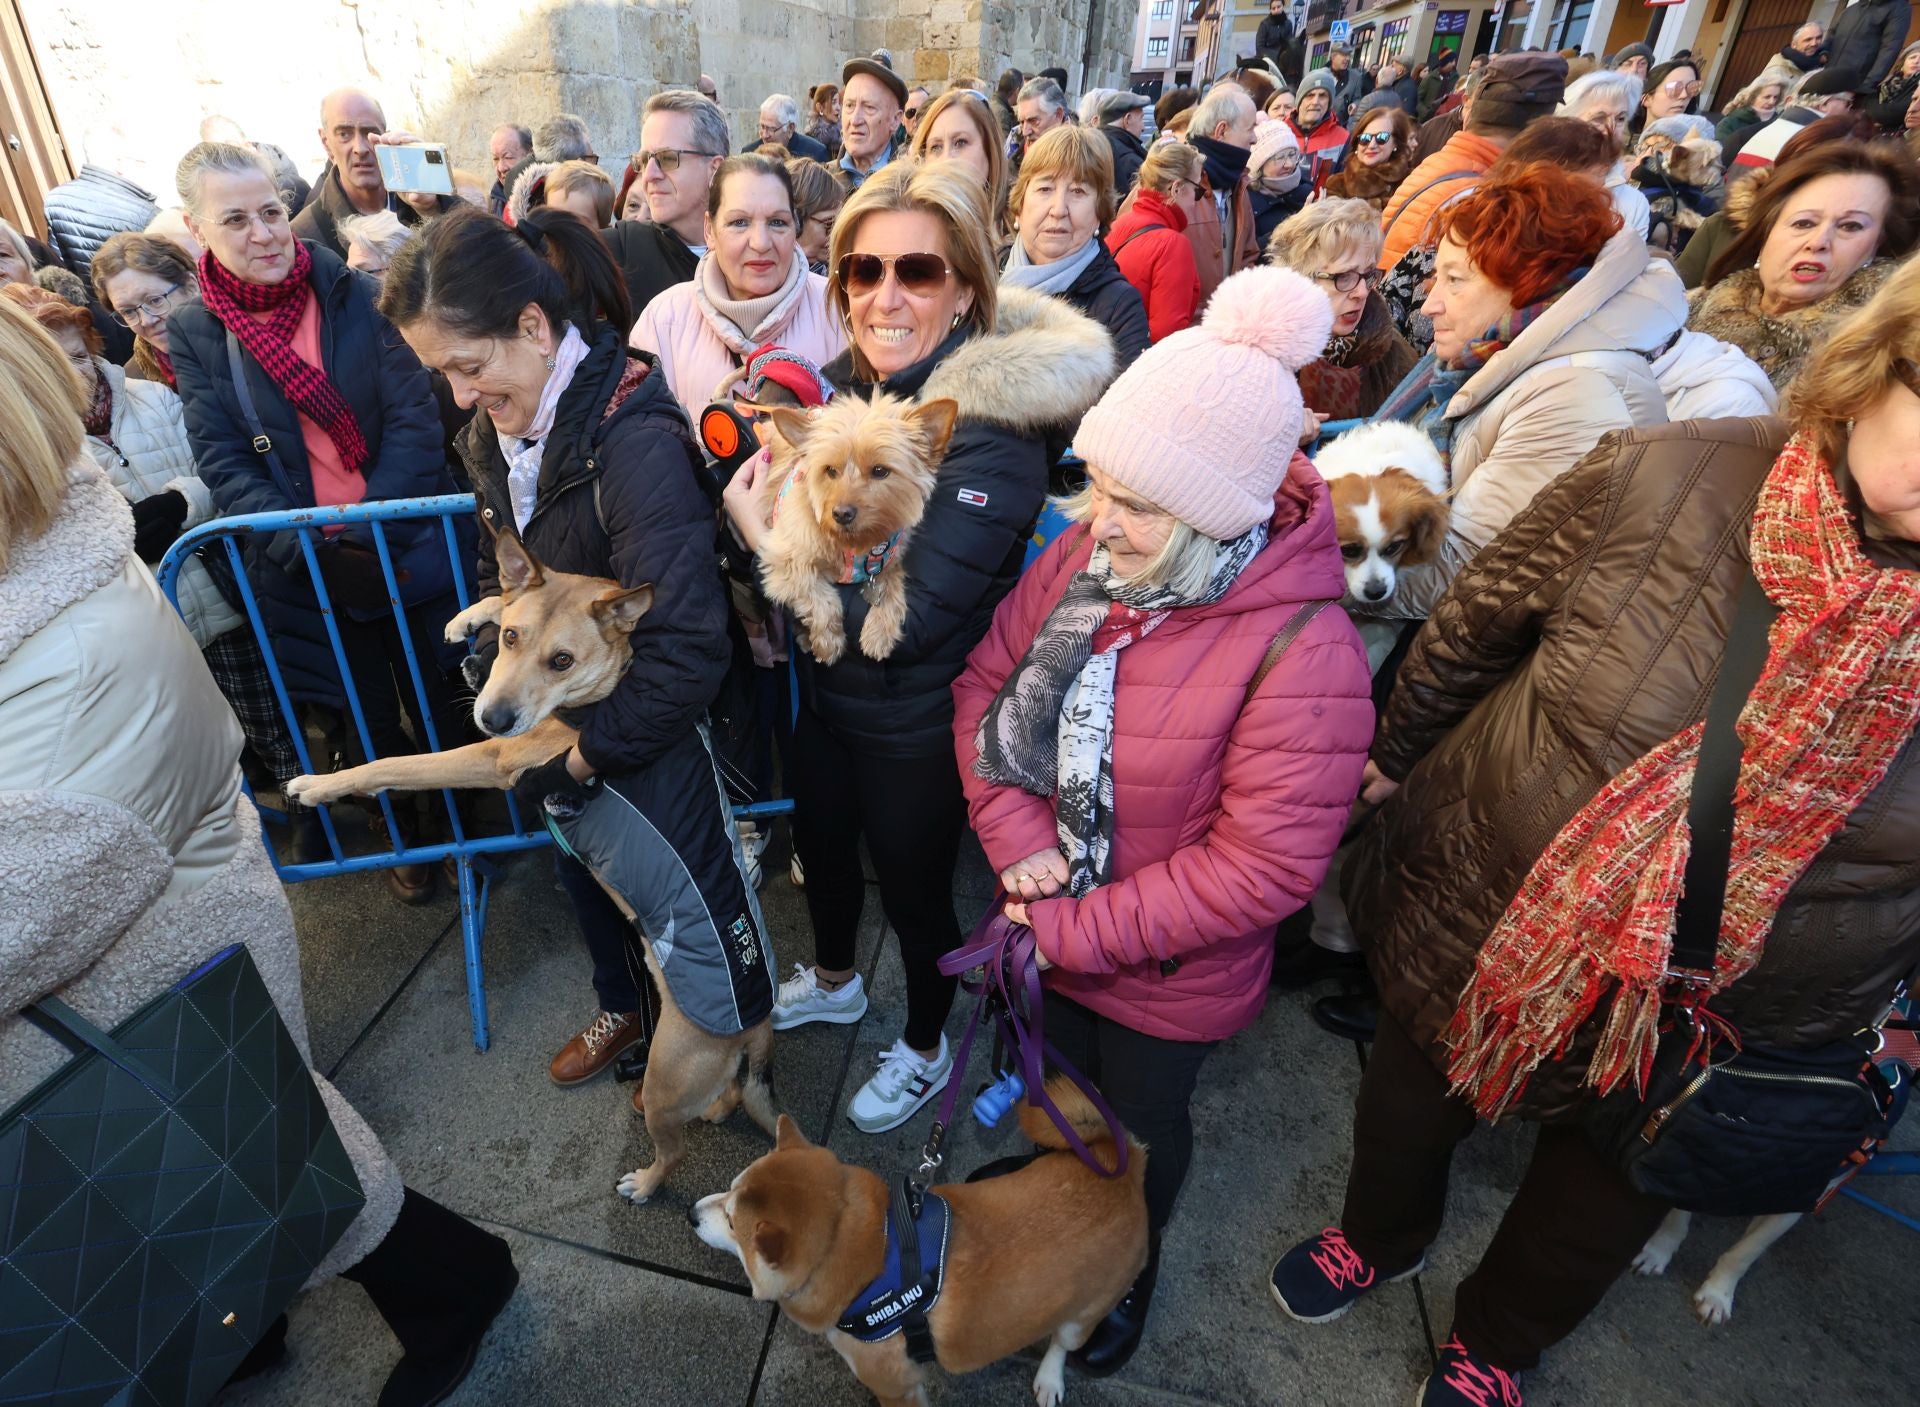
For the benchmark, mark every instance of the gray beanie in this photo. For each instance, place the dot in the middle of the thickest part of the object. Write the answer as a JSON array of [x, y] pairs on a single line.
[[1319, 78]]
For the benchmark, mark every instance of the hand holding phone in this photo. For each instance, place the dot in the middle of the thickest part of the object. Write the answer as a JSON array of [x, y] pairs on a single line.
[[415, 168]]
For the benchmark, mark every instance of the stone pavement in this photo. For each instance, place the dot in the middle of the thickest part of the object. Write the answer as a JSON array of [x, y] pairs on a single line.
[[622, 1304]]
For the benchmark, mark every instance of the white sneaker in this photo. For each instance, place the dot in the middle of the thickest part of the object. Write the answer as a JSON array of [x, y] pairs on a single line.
[[753, 844], [795, 873], [801, 999], [900, 1088]]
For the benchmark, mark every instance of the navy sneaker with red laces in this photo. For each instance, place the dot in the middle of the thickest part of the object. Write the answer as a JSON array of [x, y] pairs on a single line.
[[1319, 1279], [1464, 1379]]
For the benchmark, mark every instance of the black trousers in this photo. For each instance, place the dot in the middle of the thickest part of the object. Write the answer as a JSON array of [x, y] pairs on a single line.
[[379, 664], [1148, 1080], [911, 812], [621, 981], [1571, 1230]]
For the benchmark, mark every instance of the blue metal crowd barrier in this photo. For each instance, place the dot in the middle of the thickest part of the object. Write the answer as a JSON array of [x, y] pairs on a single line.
[[471, 853]]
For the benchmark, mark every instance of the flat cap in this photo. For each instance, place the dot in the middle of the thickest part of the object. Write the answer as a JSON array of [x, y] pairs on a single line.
[[881, 74]]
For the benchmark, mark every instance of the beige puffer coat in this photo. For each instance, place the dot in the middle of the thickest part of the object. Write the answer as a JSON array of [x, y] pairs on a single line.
[[1542, 403], [150, 454], [127, 855]]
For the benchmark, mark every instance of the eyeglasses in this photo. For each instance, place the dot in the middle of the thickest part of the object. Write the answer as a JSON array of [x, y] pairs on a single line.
[[1374, 139], [1349, 279], [1681, 88], [666, 158], [912, 114], [272, 216], [919, 274], [154, 309]]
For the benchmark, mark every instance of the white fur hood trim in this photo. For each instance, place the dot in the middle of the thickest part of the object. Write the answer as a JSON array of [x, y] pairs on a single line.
[[1373, 449], [1043, 368], [84, 549]]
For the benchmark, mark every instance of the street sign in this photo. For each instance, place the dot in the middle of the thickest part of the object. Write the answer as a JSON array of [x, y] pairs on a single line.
[[1341, 33]]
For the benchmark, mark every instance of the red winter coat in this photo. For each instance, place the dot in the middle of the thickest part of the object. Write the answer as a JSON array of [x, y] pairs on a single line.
[[1158, 263], [1225, 817]]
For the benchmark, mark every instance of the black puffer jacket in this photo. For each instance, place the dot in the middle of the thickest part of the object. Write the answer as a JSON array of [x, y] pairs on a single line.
[[1129, 154], [393, 404], [84, 212], [621, 495], [652, 259], [1103, 294], [1020, 390]]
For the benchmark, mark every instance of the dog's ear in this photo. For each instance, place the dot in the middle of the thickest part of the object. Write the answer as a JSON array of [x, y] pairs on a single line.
[[934, 420], [622, 609], [1429, 530], [769, 1243], [519, 568], [787, 1134], [793, 423]]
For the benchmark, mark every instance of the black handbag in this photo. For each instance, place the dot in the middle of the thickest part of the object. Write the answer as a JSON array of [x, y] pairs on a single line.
[[1729, 1127], [163, 1195]]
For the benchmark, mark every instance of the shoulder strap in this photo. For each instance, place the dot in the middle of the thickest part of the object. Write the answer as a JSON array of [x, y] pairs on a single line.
[[262, 444], [81, 1036], [1144, 229], [1703, 895], [1436, 181], [1289, 632], [906, 1230]]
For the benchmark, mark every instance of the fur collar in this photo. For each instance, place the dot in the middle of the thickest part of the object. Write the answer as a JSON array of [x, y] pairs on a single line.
[[1741, 195], [1730, 311], [85, 548], [1042, 369], [520, 198]]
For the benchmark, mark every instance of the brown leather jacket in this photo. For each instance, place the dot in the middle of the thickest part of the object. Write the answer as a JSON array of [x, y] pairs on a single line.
[[1583, 636]]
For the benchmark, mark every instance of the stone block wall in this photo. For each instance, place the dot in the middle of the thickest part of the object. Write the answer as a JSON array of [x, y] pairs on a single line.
[[130, 82]]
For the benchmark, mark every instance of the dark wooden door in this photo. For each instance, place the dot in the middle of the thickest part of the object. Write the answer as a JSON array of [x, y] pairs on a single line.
[[1763, 31]]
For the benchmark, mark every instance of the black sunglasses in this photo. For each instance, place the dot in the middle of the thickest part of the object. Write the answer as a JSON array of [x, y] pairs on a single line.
[[917, 273]]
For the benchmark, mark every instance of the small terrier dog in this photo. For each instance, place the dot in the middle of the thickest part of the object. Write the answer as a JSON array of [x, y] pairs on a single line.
[[1389, 490], [850, 483]]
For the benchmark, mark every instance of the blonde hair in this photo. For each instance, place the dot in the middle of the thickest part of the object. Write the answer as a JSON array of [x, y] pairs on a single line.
[[1169, 162], [946, 191], [1863, 358], [987, 128], [1309, 242], [584, 175], [1184, 563], [1077, 154], [41, 404]]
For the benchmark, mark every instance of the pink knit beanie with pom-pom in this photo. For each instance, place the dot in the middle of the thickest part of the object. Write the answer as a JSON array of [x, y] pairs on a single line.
[[1204, 424]]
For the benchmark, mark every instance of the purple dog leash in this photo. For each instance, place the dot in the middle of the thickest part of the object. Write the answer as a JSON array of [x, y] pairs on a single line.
[[1008, 986]]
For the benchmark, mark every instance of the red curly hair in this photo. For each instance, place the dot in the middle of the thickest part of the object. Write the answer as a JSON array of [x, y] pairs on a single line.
[[54, 313], [1528, 229]]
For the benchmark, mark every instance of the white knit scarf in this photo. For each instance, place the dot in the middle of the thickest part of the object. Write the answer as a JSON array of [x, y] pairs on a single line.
[[524, 452], [747, 324]]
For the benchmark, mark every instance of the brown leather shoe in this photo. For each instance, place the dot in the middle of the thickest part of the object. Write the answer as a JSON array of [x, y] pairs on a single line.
[[639, 1104], [594, 1049], [411, 884]]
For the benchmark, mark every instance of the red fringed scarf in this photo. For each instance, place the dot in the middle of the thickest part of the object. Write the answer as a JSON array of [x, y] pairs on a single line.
[[99, 416], [231, 300], [1838, 699], [163, 364]]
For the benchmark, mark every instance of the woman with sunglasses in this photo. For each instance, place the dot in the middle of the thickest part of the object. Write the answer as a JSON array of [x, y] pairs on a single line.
[[1148, 238], [1672, 90], [1378, 158], [1336, 243], [752, 287], [914, 281], [1061, 202]]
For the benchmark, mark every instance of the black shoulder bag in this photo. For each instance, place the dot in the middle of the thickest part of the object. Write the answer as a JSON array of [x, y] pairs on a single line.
[[1726, 1126]]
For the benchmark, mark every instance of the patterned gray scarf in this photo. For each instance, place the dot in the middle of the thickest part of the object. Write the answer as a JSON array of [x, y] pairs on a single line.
[[1049, 730]]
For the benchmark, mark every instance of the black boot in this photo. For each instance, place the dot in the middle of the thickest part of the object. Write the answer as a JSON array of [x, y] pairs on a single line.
[[1115, 1338], [439, 1281], [263, 1355], [1353, 1015]]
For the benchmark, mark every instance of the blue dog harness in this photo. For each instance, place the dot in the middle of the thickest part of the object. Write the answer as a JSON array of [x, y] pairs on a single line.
[[909, 1285]]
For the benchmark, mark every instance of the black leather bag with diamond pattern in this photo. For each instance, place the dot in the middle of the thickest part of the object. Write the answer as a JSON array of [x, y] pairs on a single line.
[[162, 1197]]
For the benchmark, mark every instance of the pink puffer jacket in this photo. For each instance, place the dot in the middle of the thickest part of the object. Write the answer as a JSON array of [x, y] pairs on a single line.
[[1225, 817]]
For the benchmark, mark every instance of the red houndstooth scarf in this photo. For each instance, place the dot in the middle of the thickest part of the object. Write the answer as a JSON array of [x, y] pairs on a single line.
[[231, 300], [1838, 699]]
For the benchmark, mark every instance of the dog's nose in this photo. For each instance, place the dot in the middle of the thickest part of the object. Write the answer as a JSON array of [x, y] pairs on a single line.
[[693, 1216], [498, 719], [1376, 590], [845, 514]]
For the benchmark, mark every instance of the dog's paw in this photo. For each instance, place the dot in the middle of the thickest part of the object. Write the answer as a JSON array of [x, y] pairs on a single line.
[[637, 1185], [1050, 1383], [1652, 1260], [1713, 1302], [827, 646], [879, 634], [313, 791]]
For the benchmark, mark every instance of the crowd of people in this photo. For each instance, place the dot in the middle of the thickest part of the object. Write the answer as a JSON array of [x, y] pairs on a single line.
[[1657, 352]]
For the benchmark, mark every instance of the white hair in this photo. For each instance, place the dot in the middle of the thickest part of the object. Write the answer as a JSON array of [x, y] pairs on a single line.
[[381, 232], [1090, 106], [1601, 84], [781, 109], [225, 157], [1225, 102], [1045, 92]]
